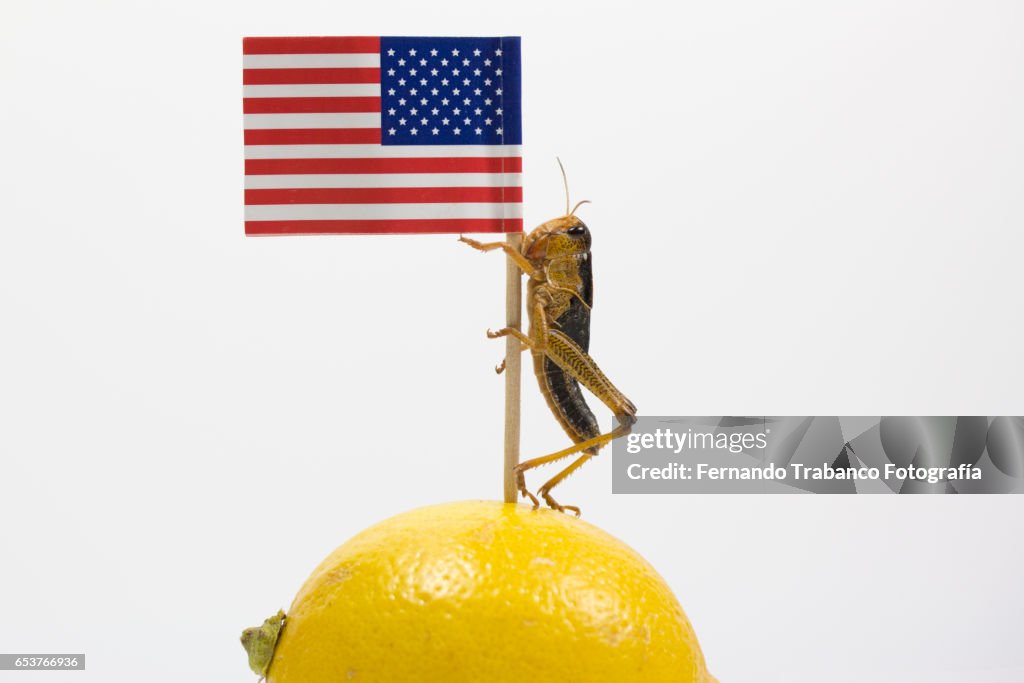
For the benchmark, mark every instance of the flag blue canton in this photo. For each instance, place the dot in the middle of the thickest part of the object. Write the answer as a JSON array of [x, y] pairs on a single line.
[[450, 91]]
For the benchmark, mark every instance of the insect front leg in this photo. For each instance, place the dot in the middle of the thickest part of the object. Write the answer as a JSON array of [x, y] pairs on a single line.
[[514, 254]]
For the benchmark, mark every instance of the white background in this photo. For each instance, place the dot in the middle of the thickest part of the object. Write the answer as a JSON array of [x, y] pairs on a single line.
[[799, 208]]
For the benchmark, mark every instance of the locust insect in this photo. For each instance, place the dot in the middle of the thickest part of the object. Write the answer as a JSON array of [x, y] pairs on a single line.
[[559, 296]]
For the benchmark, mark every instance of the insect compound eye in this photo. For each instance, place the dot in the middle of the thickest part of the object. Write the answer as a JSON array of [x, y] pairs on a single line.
[[576, 230]]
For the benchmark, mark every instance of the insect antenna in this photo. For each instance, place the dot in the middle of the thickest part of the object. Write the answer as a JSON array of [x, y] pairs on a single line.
[[578, 205], [565, 182]]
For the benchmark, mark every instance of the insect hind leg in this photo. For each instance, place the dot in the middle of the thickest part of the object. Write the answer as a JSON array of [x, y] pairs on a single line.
[[545, 490], [591, 446]]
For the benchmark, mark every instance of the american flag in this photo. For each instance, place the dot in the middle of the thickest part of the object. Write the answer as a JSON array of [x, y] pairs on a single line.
[[382, 135]]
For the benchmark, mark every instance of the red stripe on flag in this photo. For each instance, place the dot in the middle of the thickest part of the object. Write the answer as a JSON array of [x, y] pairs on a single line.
[[309, 105], [311, 136], [383, 227], [384, 195], [384, 165], [364, 74], [310, 45]]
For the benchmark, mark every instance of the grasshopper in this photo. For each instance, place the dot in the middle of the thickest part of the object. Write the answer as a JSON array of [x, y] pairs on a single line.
[[559, 296]]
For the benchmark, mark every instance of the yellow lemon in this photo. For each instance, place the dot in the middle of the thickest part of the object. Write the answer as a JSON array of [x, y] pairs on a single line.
[[485, 592]]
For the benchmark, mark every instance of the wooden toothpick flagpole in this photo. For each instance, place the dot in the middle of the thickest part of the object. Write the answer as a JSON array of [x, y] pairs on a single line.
[[513, 366]]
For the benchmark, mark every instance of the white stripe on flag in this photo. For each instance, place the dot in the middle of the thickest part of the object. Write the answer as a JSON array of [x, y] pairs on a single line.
[[332, 120], [329, 180], [313, 90], [378, 151], [311, 61], [299, 212]]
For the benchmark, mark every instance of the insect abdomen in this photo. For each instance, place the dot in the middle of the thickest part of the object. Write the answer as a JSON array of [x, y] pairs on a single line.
[[565, 399], [561, 390]]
